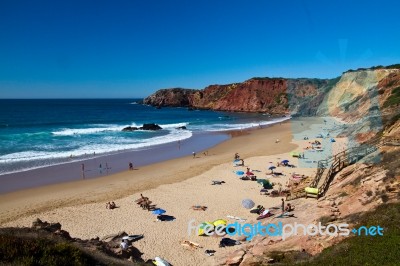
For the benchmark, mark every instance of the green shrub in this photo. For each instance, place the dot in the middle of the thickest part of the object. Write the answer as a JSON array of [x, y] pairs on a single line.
[[38, 251], [365, 250]]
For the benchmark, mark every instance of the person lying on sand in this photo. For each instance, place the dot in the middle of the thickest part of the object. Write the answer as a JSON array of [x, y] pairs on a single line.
[[199, 208], [217, 182], [190, 244]]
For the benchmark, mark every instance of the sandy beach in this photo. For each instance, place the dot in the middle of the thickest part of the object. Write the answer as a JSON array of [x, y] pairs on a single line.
[[173, 185]]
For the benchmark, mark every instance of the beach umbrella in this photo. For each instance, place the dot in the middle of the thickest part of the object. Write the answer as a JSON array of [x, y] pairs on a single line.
[[285, 161], [271, 167], [219, 222], [159, 211], [262, 181], [239, 173], [248, 203], [205, 227]]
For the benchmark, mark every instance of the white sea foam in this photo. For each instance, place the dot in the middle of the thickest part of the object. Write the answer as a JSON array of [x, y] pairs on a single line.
[[227, 127], [99, 128], [84, 131], [176, 125], [99, 148]]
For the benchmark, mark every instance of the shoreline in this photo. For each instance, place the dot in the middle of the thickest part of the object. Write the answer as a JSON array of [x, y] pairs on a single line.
[[25, 202], [111, 163], [98, 165]]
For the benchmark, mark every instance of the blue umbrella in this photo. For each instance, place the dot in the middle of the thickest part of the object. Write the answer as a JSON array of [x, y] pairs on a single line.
[[285, 161], [248, 203], [271, 167], [239, 172], [159, 211]]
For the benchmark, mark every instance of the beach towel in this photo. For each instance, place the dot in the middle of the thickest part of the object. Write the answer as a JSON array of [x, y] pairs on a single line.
[[311, 190], [236, 218], [219, 222], [285, 215], [228, 242], [132, 238], [265, 214], [160, 262]]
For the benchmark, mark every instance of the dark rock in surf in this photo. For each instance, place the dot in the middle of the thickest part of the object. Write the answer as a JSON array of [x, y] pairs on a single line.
[[150, 127], [130, 128], [144, 127]]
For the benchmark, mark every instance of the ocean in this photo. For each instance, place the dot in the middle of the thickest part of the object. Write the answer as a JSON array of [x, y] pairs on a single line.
[[40, 133]]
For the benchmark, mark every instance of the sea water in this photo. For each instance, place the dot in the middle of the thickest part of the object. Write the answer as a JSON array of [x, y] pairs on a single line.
[[38, 133]]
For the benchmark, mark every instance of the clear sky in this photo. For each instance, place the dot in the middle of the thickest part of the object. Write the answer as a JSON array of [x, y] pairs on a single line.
[[118, 49]]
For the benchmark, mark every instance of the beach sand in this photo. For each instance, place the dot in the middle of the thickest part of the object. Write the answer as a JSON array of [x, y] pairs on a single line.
[[173, 185]]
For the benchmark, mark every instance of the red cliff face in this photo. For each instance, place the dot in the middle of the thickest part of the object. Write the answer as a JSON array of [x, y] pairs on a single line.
[[271, 95], [267, 95]]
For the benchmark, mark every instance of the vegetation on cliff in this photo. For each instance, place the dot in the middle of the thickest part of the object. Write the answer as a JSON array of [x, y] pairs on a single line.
[[358, 250]]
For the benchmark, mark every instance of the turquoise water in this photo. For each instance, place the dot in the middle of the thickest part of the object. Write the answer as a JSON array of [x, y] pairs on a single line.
[[37, 133]]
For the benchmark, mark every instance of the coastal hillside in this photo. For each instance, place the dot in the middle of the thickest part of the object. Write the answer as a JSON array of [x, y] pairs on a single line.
[[364, 101], [352, 95]]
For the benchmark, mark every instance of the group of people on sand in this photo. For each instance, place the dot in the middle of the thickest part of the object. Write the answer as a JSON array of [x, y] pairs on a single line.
[[288, 207], [111, 205], [237, 158]]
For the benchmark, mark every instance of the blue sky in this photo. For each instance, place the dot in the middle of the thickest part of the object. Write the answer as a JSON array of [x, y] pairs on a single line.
[[118, 49]]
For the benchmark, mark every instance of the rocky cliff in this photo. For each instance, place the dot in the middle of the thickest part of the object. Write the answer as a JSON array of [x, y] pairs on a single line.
[[363, 101], [270, 95], [170, 97], [356, 94]]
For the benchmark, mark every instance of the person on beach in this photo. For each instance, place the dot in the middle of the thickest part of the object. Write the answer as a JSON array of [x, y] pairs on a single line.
[[237, 157], [289, 207], [100, 169], [83, 170], [124, 245], [283, 205], [194, 155], [130, 166]]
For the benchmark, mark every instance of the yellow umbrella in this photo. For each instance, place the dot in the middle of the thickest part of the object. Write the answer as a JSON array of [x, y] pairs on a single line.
[[206, 226]]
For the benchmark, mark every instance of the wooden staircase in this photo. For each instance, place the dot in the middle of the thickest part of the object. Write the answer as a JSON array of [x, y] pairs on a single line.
[[328, 168]]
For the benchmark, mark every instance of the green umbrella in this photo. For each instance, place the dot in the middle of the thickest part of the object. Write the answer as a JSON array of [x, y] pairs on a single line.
[[263, 182]]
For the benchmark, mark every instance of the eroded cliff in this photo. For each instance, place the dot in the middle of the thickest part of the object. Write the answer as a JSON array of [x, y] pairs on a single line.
[[270, 95]]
